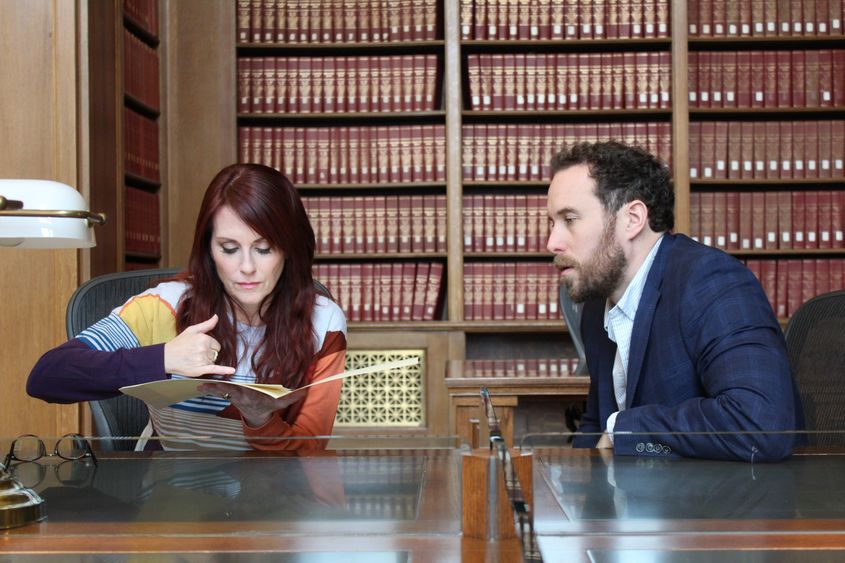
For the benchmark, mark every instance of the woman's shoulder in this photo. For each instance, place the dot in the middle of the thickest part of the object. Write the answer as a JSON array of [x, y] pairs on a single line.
[[167, 292], [328, 316]]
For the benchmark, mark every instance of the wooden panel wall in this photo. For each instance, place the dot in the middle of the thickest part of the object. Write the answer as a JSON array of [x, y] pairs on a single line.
[[200, 45], [38, 110]]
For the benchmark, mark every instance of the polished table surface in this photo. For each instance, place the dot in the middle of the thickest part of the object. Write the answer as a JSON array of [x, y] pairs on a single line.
[[404, 505], [631, 508]]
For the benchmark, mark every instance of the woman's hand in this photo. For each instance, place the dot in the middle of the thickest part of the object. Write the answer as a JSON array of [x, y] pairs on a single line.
[[193, 353], [255, 407]]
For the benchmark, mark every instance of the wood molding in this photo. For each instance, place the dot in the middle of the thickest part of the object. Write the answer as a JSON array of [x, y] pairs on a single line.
[[38, 40]]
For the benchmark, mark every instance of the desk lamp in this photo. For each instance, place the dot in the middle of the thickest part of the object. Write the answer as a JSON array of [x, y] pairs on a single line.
[[38, 214]]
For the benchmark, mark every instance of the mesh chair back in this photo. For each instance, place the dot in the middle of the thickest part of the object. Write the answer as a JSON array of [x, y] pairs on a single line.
[[572, 316], [122, 415], [815, 340]]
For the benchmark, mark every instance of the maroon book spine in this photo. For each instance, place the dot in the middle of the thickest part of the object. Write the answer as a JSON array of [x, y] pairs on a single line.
[[799, 98], [433, 292], [798, 222], [811, 219], [748, 209], [837, 220]]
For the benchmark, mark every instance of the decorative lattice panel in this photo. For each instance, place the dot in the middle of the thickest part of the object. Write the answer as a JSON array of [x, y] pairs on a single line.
[[394, 398]]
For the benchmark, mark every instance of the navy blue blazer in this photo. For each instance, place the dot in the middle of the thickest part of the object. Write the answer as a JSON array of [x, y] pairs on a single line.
[[707, 354]]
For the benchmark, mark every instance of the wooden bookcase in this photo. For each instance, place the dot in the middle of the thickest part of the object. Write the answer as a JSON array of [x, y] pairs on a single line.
[[127, 79], [454, 337], [770, 178]]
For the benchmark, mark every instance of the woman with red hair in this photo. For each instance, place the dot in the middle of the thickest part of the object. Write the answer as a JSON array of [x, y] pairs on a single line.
[[246, 310]]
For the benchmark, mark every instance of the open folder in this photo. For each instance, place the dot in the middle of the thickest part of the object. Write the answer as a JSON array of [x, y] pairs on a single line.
[[169, 391]]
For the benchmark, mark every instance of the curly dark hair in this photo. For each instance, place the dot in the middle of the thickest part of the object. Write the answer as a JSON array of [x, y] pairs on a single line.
[[624, 173]]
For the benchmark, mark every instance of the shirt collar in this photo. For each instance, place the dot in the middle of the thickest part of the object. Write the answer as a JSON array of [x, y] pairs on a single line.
[[630, 300]]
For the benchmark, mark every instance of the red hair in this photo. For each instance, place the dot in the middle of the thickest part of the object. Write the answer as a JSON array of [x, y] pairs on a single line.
[[265, 200]]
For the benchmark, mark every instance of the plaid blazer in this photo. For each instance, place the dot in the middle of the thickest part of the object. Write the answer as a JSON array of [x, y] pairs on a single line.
[[707, 354]]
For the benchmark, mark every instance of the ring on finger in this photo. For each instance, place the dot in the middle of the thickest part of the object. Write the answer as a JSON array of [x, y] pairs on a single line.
[[227, 396], [213, 356]]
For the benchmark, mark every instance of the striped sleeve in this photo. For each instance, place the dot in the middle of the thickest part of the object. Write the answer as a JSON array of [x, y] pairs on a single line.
[[109, 334]]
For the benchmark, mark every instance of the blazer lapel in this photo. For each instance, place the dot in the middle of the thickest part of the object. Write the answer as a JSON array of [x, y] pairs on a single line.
[[645, 316], [601, 352], [606, 394]]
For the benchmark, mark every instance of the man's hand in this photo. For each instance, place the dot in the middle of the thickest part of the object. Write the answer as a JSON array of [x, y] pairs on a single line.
[[193, 353], [255, 407], [605, 447], [604, 442]]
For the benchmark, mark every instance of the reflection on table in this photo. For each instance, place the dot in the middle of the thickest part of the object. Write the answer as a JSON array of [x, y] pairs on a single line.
[[620, 508], [270, 491], [398, 504]]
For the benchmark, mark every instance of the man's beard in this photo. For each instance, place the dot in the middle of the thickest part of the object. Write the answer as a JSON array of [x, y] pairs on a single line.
[[601, 275]]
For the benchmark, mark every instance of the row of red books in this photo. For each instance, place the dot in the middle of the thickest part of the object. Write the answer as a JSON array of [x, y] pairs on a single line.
[[569, 81], [764, 18], [573, 19], [792, 282], [396, 291], [505, 223], [140, 145], [140, 70], [378, 224], [767, 79], [768, 220], [519, 367], [767, 149], [358, 155], [496, 291], [516, 151], [336, 21], [142, 229], [337, 84], [142, 13]]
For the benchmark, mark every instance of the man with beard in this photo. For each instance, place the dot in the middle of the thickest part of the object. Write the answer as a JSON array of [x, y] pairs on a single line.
[[685, 355]]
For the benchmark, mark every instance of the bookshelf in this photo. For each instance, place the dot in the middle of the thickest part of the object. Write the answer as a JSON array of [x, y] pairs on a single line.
[[353, 113], [453, 335], [128, 152], [529, 80], [767, 101]]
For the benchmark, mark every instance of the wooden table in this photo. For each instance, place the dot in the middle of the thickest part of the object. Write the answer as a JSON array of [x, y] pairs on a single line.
[[404, 505]]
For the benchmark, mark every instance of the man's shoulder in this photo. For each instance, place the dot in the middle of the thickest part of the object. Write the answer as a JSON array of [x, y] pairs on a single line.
[[686, 256]]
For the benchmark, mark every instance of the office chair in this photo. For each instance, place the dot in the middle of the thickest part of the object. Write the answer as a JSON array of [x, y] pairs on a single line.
[[122, 415], [815, 340], [572, 317]]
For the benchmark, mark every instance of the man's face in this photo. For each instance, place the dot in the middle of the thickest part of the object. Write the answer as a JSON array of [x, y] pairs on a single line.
[[583, 237]]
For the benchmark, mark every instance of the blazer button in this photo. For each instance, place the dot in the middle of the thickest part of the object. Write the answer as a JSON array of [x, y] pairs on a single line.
[[649, 447], [640, 447], [667, 450]]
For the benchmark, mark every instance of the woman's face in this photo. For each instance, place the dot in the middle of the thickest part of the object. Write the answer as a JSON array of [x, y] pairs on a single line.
[[248, 265]]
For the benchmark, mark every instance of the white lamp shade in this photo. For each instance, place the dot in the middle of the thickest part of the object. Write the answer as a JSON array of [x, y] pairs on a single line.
[[44, 232]]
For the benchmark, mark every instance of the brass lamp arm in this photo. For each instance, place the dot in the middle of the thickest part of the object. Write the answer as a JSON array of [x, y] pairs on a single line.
[[14, 208]]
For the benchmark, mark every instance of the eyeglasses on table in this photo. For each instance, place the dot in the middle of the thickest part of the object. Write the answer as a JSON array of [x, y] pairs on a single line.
[[29, 447]]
